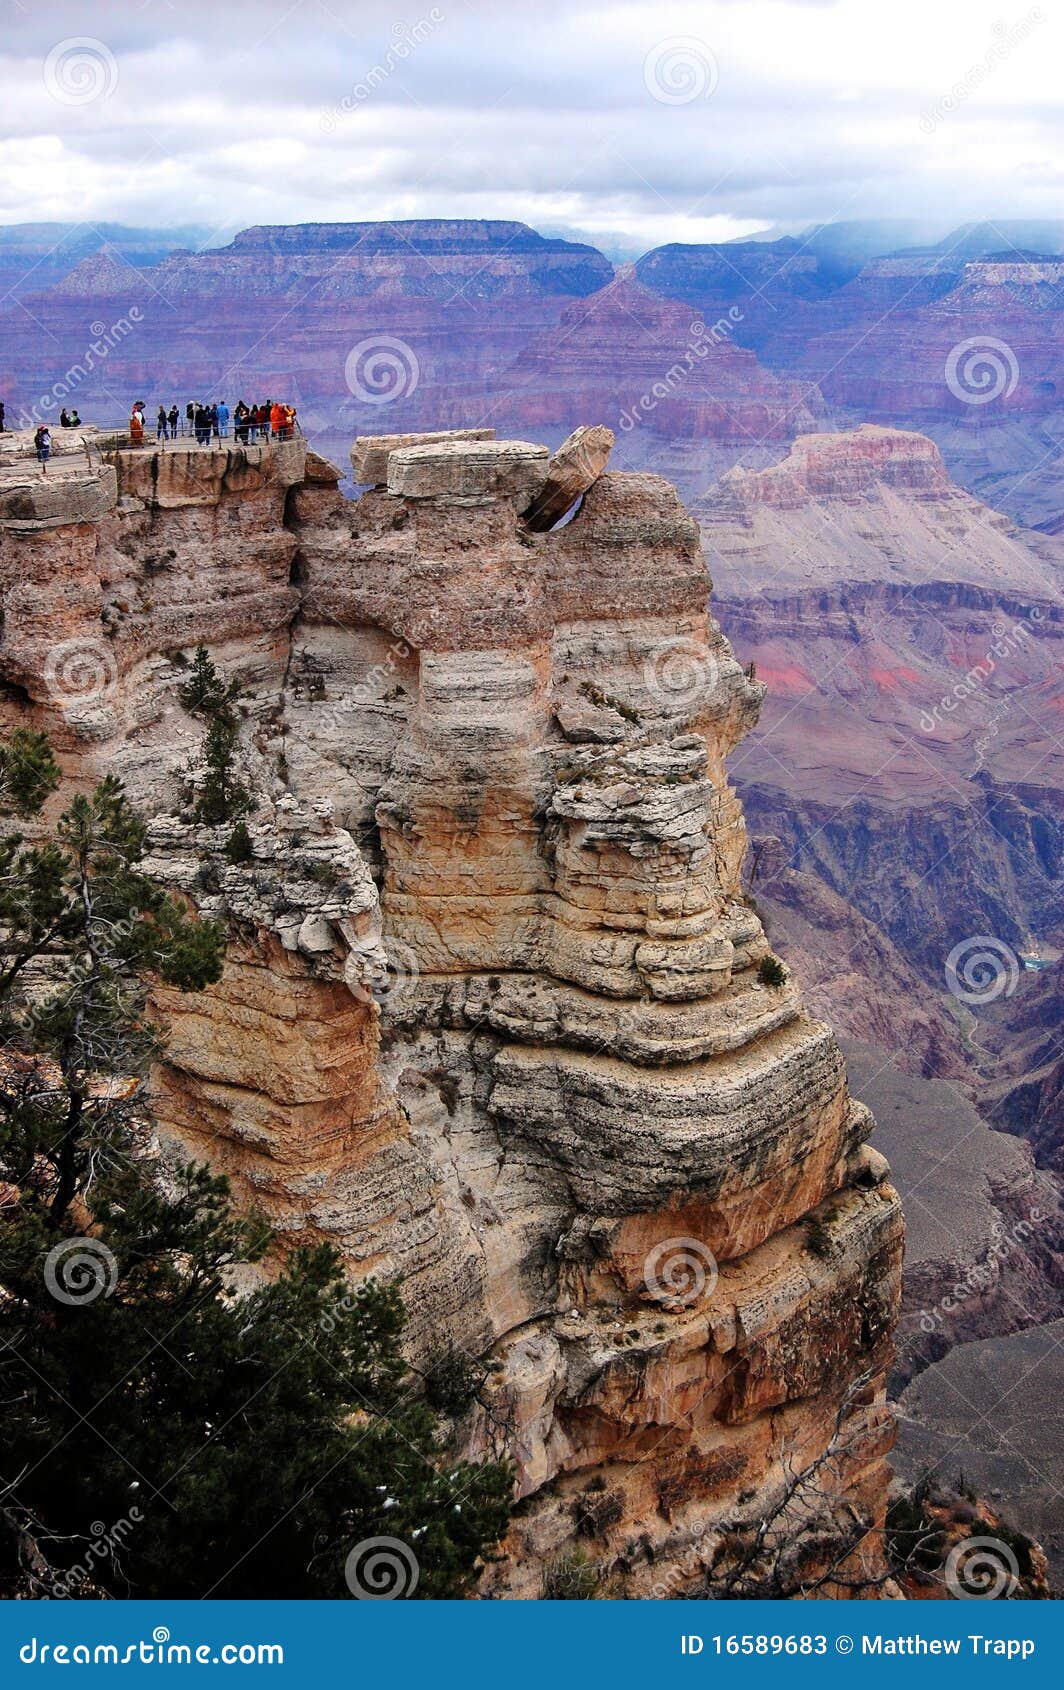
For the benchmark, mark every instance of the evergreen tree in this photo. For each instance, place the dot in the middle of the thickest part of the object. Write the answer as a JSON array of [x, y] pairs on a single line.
[[77, 910], [204, 693], [220, 796], [229, 1445], [257, 1440]]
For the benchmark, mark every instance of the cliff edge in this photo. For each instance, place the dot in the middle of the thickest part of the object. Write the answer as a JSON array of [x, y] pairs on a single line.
[[497, 1017]]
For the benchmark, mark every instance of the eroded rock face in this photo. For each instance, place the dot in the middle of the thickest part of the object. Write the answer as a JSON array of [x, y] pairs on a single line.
[[491, 1018]]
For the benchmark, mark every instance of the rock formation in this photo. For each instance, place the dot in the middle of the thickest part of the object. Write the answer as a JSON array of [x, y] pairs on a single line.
[[492, 1018], [910, 640]]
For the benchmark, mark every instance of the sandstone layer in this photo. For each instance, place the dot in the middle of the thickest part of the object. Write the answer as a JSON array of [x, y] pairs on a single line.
[[491, 1019]]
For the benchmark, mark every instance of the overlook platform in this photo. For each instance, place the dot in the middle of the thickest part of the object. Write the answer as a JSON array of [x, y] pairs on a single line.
[[92, 471]]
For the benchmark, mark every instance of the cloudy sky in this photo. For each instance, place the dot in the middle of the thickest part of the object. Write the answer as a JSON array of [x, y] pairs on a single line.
[[632, 124]]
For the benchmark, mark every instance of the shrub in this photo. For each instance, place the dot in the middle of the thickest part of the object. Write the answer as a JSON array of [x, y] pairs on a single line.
[[915, 1540], [771, 972], [818, 1238], [571, 1578], [238, 846], [452, 1380]]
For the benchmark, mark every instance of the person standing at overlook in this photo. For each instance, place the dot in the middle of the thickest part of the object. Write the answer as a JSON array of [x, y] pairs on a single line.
[[160, 423], [136, 425], [42, 445], [223, 420], [173, 419]]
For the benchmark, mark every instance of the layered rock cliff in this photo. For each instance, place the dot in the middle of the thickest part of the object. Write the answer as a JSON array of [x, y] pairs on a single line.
[[492, 1018]]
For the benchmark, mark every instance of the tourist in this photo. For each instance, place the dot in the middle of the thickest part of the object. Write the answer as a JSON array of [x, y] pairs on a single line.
[[173, 417], [203, 425], [190, 417], [222, 413], [42, 445], [75, 420], [3, 413], [64, 418], [136, 425], [241, 422], [160, 423]]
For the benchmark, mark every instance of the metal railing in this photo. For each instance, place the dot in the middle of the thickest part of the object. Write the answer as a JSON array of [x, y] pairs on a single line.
[[120, 440]]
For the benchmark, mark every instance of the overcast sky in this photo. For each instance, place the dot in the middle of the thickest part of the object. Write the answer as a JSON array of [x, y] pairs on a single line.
[[632, 124]]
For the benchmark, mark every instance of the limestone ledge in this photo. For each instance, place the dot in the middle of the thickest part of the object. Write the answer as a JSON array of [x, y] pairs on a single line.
[[36, 503], [176, 476]]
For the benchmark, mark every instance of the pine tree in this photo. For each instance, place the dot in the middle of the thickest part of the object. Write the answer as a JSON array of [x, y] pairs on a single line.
[[259, 1439], [29, 772], [77, 908], [220, 796], [204, 693], [231, 1445]]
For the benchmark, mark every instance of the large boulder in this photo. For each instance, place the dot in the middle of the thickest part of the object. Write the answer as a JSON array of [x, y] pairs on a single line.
[[370, 453], [575, 466], [462, 471]]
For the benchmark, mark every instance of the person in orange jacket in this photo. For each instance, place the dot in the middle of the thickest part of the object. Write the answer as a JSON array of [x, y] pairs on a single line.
[[277, 419], [136, 426]]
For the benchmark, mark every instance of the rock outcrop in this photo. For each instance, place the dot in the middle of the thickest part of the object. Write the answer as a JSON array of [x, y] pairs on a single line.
[[492, 1018]]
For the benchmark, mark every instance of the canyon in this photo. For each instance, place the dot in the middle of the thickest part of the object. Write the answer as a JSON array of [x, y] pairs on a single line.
[[493, 1019], [885, 553], [904, 790], [699, 357]]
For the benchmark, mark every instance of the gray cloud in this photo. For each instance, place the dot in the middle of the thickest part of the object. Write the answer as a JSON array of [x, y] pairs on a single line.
[[637, 123]]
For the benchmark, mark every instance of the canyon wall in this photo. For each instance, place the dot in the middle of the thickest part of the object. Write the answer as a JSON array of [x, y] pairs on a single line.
[[493, 1018]]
